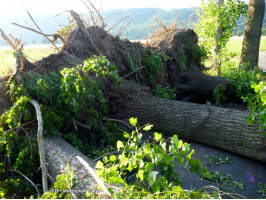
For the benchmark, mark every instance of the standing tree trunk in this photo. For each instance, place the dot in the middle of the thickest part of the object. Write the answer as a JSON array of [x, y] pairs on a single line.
[[217, 47], [252, 34]]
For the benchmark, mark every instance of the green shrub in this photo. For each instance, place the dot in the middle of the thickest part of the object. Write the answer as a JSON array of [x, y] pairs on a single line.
[[165, 92], [153, 63], [147, 161]]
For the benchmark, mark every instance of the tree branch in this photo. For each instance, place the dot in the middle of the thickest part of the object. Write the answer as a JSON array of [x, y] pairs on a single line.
[[7, 39], [55, 36], [19, 79]]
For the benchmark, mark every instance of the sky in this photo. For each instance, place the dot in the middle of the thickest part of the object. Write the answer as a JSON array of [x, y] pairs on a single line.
[[13, 7]]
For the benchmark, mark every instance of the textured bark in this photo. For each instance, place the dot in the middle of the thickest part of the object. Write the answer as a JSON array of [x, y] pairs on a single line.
[[252, 34], [59, 154], [222, 128]]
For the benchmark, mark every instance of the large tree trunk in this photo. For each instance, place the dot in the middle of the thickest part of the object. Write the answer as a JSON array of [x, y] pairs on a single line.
[[59, 154], [252, 34], [222, 128]]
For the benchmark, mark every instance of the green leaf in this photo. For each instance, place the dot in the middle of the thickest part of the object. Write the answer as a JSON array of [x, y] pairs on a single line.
[[123, 159], [119, 145], [157, 136], [126, 135], [112, 158], [194, 165], [105, 159], [139, 136], [156, 187], [140, 174], [149, 166], [147, 127], [99, 165], [176, 189], [215, 195], [152, 175], [133, 121]]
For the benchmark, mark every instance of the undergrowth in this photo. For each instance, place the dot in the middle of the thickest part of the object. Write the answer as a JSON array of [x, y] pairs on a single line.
[[67, 98]]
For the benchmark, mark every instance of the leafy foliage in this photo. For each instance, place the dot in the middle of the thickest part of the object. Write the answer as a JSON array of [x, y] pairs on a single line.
[[257, 104], [218, 95], [64, 183], [262, 190], [224, 180], [218, 160], [64, 97], [165, 92], [16, 152], [154, 64], [212, 18], [198, 54], [152, 164]]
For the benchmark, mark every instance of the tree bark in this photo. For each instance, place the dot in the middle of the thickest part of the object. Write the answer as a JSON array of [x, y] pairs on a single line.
[[252, 34], [222, 128], [59, 154], [217, 47]]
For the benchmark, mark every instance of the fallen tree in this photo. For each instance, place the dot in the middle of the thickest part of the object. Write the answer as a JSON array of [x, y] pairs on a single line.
[[176, 65], [180, 69]]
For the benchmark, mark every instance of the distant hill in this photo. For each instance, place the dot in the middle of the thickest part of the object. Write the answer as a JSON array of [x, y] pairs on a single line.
[[141, 24], [143, 20]]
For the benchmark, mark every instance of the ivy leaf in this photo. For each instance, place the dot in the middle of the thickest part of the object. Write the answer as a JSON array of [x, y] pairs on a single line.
[[149, 166], [99, 165], [126, 135], [133, 121], [139, 136], [112, 158], [152, 177], [194, 165], [140, 174], [156, 187], [176, 189], [123, 160], [175, 140], [157, 136], [147, 127], [119, 145]]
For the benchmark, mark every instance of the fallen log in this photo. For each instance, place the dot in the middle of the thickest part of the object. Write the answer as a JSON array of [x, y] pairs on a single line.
[[218, 127], [59, 154]]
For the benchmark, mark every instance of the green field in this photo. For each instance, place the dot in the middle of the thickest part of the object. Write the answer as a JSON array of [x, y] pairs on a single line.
[[235, 45], [34, 53]]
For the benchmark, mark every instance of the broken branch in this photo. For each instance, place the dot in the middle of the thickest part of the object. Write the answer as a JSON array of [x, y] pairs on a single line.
[[55, 36], [7, 39]]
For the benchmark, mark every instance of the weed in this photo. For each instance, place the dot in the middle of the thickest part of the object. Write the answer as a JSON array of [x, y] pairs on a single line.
[[218, 160], [224, 180], [262, 190]]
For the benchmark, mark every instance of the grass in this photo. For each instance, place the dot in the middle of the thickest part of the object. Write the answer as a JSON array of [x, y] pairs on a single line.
[[32, 53], [234, 45]]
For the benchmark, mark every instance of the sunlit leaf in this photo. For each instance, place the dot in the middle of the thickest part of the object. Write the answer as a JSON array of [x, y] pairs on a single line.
[[133, 121]]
